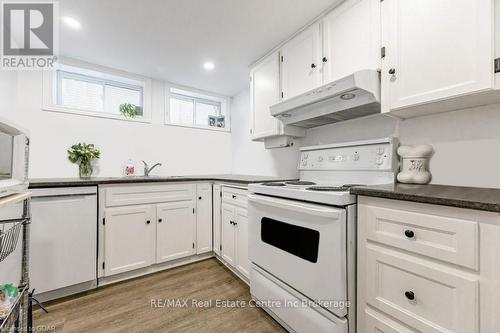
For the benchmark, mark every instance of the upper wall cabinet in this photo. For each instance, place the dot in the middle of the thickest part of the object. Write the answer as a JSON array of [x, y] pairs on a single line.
[[439, 55], [266, 91], [351, 39], [301, 58]]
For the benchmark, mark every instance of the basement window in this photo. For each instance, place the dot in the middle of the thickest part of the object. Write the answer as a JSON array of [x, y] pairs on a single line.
[[96, 93], [193, 109]]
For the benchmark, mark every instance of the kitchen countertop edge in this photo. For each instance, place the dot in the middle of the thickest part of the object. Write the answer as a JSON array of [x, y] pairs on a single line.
[[485, 199], [77, 182]]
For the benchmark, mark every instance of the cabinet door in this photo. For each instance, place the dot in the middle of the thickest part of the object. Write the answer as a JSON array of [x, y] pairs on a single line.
[[265, 91], [243, 263], [301, 63], [217, 216], [203, 218], [176, 230], [128, 238], [351, 39], [228, 234], [435, 50]]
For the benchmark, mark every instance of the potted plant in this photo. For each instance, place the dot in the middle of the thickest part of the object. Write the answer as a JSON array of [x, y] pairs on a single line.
[[128, 110], [83, 154]]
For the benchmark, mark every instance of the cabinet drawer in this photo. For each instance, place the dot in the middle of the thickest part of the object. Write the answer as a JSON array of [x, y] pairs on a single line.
[[151, 193], [235, 196], [445, 238], [423, 295], [377, 323]]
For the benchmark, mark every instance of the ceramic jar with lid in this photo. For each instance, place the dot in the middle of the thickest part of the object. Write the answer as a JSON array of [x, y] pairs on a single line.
[[415, 164]]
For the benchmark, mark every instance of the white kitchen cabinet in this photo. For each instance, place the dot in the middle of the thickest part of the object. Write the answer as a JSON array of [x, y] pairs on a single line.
[[203, 218], [301, 62], [241, 225], [434, 52], [351, 39], [265, 90], [176, 230], [128, 238], [235, 230], [217, 217], [426, 268], [228, 234]]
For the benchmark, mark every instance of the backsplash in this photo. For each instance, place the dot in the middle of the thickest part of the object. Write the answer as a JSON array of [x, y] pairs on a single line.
[[465, 142]]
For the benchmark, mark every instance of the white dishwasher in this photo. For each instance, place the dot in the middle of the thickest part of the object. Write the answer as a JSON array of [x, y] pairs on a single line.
[[63, 253]]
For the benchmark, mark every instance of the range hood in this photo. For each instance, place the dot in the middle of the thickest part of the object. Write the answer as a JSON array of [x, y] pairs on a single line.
[[353, 96]]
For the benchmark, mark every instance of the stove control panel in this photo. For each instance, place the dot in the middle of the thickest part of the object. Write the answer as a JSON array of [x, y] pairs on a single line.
[[377, 156]]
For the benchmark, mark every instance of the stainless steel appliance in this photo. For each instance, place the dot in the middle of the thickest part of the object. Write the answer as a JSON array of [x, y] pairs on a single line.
[[302, 235], [14, 158]]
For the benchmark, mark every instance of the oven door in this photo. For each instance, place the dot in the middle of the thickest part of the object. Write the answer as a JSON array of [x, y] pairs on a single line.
[[303, 245]]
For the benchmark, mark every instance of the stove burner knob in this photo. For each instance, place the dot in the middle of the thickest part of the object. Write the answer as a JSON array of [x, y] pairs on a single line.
[[380, 151], [355, 157]]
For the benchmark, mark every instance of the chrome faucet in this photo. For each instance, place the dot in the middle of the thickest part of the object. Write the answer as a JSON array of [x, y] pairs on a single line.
[[147, 169]]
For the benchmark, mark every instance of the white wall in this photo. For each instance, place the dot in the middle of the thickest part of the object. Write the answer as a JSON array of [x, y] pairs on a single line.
[[466, 142], [182, 150], [250, 157]]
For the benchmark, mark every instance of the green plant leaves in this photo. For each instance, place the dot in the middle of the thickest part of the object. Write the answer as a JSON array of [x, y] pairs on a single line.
[[82, 153], [128, 110]]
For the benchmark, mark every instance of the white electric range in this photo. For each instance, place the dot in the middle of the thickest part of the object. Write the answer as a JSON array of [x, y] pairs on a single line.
[[302, 235]]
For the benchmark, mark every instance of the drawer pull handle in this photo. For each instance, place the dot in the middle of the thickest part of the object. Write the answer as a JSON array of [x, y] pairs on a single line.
[[148, 222], [234, 197], [410, 295], [409, 234]]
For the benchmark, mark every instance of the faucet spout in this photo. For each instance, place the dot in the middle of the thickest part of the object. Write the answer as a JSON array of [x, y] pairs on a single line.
[[147, 169]]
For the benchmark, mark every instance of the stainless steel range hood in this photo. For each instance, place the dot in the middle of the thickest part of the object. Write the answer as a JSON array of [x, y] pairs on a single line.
[[353, 96]]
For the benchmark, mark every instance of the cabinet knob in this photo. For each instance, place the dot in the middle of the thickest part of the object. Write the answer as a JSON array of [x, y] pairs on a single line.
[[234, 197], [199, 198], [392, 71], [410, 295], [148, 222], [409, 234], [325, 59], [160, 220], [313, 65], [231, 222]]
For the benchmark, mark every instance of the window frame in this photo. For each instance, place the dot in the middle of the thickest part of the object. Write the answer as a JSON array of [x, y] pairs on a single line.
[[195, 95], [103, 75]]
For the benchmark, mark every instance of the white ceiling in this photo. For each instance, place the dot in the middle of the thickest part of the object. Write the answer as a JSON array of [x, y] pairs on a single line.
[[171, 39]]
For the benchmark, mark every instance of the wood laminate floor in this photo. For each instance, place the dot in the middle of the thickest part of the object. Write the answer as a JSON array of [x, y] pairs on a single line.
[[142, 305]]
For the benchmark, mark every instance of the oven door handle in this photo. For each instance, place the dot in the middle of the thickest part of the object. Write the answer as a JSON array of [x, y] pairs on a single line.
[[296, 206]]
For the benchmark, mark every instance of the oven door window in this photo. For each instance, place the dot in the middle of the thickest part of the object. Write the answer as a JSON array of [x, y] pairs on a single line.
[[299, 241]]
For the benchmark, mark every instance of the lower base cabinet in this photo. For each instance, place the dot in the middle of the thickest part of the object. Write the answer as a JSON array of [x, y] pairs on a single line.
[[234, 227], [427, 268], [128, 238], [156, 224], [176, 231]]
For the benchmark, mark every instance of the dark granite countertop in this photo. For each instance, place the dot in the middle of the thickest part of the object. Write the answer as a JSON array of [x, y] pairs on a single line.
[[71, 182], [486, 199]]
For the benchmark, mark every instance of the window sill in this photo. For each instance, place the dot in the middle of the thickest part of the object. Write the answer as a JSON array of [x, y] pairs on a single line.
[[88, 113], [214, 129]]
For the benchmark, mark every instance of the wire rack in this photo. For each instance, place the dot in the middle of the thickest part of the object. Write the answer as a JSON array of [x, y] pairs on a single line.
[[9, 235]]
